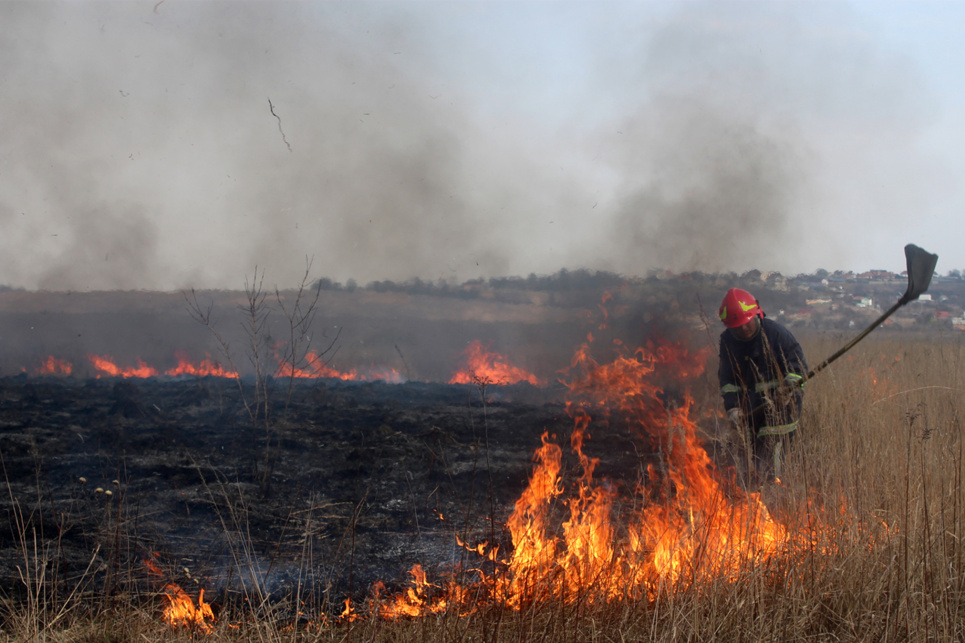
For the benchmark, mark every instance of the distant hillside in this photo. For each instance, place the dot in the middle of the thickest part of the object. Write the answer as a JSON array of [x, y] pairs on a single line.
[[822, 301]]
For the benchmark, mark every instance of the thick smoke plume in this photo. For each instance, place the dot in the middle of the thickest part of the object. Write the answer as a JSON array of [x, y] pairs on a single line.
[[178, 144]]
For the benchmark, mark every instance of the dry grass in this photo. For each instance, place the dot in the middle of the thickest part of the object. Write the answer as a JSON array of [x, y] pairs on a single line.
[[874, 482]]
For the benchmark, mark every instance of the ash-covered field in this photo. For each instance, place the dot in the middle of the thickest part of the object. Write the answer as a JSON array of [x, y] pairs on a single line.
[[120, 485]]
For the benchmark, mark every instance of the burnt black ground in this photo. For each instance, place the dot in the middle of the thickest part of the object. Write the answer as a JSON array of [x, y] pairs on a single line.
[[347, 483]]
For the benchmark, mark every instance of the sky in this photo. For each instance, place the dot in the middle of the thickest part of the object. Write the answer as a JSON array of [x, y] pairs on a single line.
[[186, 143]]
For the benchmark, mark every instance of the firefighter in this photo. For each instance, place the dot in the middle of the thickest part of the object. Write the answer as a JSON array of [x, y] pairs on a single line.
[[761, 374]]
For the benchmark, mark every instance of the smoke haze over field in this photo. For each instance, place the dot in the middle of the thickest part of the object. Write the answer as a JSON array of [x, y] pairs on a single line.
[[166, 145]]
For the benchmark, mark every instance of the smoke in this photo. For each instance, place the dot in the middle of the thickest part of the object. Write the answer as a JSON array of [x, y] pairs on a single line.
[[139, 149], [115, 247], [751, 120], [721, 198]]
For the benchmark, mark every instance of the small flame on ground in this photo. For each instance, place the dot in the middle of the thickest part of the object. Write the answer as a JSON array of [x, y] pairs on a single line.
[[314, 367], [54, 366], [206, 368], [349, 614], [482, 365], [105, 365], [421, 598], [152, 567], [182, 613]]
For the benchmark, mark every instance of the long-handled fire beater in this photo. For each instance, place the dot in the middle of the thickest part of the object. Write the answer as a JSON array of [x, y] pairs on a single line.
[[921, 267]]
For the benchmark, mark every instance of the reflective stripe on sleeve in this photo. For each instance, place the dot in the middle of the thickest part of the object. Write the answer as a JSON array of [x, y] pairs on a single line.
[[761, 387]]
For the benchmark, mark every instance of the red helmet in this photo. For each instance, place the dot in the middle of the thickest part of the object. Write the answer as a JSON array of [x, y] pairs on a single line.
[[738, 308]]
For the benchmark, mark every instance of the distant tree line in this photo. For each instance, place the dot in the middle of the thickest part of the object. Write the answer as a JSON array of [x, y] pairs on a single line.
[[583, 287], [562, 281]]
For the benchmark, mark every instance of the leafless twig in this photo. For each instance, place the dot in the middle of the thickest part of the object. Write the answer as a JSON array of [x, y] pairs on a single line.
[[280, 131], [300, 318], [202, 315]]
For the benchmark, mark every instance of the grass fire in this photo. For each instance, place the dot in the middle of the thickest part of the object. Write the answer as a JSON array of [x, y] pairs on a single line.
[[597, 499]]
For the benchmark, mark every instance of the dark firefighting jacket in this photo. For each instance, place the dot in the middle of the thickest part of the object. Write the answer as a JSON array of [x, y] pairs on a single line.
[[762, 377]]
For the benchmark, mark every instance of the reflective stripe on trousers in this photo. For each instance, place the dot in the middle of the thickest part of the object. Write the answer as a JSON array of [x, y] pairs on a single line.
[[779, 429]]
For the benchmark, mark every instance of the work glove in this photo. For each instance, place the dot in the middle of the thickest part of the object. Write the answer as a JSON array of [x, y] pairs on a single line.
[[794, 381], [789, 390], [736, 419]]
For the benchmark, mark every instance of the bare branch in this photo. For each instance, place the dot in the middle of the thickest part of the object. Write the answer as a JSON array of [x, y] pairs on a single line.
[[202, 315], [271, 108], [300, 317]]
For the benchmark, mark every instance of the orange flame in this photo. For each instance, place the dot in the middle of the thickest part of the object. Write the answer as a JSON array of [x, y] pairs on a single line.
[[689, 519], [348, 614], [207, 367], [107, 367], [315, 367], [481, 365], [54, 366], [422, 597], [151, 566], [181, 612], [690, 524]]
